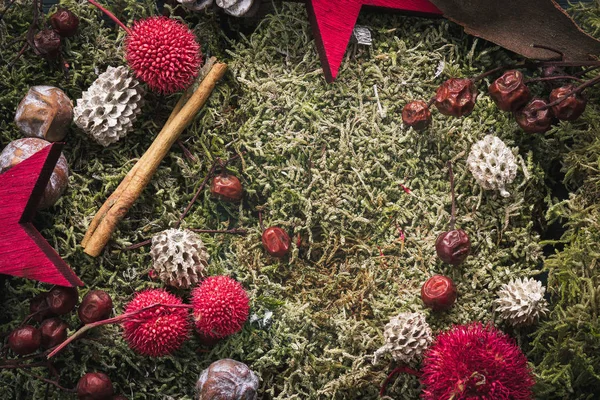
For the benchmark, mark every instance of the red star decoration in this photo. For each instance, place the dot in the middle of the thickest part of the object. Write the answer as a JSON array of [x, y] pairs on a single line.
[[333, 22], [23, 250]]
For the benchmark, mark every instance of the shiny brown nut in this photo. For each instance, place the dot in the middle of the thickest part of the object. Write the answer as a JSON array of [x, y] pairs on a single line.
[[45, 112]]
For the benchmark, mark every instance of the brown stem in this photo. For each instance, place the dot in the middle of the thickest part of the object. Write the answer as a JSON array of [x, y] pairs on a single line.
[[110, 15], [453, 213], [495, 70], [109, 321], [138, 245], [234, 231], [553, 78], [188, 154], [260, 221], [55, 383], [430, 102], [578, 89]]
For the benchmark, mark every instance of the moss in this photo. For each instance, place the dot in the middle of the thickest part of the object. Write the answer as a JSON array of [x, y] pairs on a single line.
[[323, 163]]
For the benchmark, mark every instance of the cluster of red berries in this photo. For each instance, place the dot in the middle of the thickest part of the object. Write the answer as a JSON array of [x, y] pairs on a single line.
[[457, 96], [47, 42]]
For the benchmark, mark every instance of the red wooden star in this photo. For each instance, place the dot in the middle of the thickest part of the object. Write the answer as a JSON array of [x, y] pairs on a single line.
[[23, 251], [333, 22]]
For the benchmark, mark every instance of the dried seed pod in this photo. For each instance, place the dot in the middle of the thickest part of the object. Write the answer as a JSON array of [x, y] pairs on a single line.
[[227, 380], [416, 114], [45, 112], [453, 247], [25, 340], [226, 187], [54, 332], [456, 97], [510, 92], [570, 108], [21, 149], [532, 119], [407, 336], [438, 293], [64, 22], [39, 305], [95, 386], [492, 164], [62, 300], [276, 241], [521, 301], [95, 306], [46, 43]]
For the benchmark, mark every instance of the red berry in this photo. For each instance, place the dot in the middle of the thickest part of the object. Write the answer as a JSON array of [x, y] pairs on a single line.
[[95, 386], [438, 293], [276, 241], [62, 300], [571, 107], [533, 120], [54, 332], [25, 340], [226, 187], [46, 43], [453, 247], [416, 114], [95, 306], [64, 22], [510, 92], [39, 305], [456, 97]]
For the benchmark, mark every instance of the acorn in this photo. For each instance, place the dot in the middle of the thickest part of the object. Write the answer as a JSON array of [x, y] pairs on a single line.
[[226, 187], [571, 107], [62, 300], [39, 306], [510, 92], [54, 332], [95, 386], [276, 241], [95, 306], [534, 120], [456, 97], [453, 247], [416, 114], [46, 43], [64, 22], [438, 293], [25, 340]]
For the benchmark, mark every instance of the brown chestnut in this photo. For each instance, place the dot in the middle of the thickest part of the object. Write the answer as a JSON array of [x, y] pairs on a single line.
[[456, 97]]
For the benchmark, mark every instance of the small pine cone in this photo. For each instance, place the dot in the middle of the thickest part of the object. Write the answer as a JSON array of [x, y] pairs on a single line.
[[239, 8], [521, 302], [492, 164], [108, 109], [179, 257], [456, 97], [407, 336]]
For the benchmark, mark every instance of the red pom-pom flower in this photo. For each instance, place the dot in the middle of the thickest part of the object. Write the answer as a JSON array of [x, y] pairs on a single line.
[[475, 362], [163, 53], [221, 307], [157, 331]]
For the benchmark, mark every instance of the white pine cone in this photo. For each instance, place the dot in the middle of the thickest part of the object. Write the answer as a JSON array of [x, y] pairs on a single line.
[[179, 257], [492, 164], [407, 336], [237, 8], [108, 109], [521, 302]]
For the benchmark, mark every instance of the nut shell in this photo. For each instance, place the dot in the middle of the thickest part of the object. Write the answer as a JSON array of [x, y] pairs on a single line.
[[95, 386], [45, 112], [21, 149], [62, 300], [227, 380], [64, 22], [54, 332], [46, 43], [492, 164], [95, 306]]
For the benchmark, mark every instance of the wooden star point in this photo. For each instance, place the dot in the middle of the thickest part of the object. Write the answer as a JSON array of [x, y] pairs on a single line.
[[23, 250]]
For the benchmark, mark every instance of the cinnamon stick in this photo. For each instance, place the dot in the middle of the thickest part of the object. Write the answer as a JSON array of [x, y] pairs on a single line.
[[115, 208]]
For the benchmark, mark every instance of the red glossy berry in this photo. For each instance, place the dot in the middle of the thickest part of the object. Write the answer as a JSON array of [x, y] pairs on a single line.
[[25, 340], [276, 241], [510, 92], [571, 107], [226, 187], [456, 97], [416, 114], [39, 305], [438, 293], [46, 43], [95, 306], [62, 300], [532, 119], [54, 332], [64, 22], [95, 386], [453, 247]]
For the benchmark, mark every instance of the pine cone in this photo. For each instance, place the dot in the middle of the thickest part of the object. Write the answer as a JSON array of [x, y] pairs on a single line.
[[236, 8], [108, 109], [492, 164], [407, 336], [179, 257], [521, 302]]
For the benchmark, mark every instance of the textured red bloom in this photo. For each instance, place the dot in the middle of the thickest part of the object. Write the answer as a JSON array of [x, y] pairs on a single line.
[[157, 331], [221, 306], [163, 53], [475, 362]]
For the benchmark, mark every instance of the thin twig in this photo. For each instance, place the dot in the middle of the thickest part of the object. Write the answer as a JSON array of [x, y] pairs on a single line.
[[188, 154], [554, 78], [58, 385], [495, 70], [578, 89]]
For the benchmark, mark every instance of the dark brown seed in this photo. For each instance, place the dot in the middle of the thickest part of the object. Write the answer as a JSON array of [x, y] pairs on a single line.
[[46, 43], [416, 114], [95, 386], [64, 22], [276, 241], [39, 306], [453, 247], [438, 293], [532, 119], [510, 92], [226, 187], [456, 97]]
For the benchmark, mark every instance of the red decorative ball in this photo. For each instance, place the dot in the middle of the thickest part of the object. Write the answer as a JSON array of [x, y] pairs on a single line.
[[54, 332], [163, 53], [62, 300], [95, 306], [157, 331], [475, 362], [533, 120], [276, 241], [438, 293], [95, 386], [221, 307], [25, 340]]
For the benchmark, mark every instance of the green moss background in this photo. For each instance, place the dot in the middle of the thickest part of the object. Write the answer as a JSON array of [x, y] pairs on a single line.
[[323, 162]]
